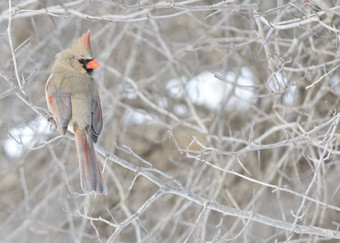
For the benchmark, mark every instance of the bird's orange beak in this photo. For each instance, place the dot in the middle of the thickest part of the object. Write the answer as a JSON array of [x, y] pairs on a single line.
[[92, 64]]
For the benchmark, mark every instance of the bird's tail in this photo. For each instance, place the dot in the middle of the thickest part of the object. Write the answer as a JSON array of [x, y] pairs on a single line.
[[91, 179]]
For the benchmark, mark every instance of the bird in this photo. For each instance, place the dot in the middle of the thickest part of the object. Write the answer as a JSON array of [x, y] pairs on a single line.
[[73, 99]]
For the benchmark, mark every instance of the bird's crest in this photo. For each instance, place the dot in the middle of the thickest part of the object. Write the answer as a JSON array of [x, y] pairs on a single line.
[[86, 38], [82, 47]]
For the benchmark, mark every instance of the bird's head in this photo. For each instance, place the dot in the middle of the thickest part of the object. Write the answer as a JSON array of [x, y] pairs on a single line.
[[80, 56]]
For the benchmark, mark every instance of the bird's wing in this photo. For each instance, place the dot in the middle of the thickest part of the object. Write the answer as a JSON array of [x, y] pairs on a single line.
[[97, 118], [59, 104]]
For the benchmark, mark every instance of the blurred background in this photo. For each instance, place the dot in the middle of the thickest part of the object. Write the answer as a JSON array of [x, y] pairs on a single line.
[[221, 122]]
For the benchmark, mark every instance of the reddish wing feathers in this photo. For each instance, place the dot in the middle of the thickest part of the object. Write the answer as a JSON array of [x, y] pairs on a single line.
[[60, 104], [97, 118]]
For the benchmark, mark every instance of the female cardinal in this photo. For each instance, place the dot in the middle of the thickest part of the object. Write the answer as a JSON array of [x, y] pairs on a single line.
[[73, 99]]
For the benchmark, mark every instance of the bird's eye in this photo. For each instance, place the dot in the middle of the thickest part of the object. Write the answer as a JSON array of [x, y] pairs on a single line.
[[83, 61]]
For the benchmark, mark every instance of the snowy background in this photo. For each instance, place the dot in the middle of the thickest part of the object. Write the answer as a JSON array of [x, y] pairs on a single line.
[[221, 122]]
